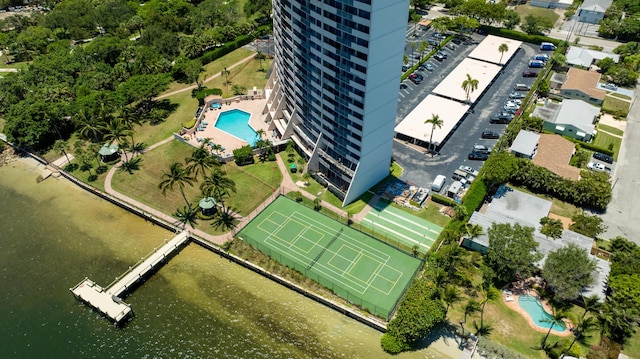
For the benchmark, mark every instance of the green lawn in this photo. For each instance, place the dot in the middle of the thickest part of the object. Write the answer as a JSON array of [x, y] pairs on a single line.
[[632, 347], [610, 129], [254, 183], [524, 10], [186, 106], [603, 140], [614, 105], [214, 67]]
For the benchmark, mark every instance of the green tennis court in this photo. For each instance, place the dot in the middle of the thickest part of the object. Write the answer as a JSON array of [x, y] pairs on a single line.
[[355, 266]]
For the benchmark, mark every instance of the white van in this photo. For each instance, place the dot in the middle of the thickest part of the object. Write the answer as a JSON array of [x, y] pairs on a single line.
[[521, 87], [438, 183]]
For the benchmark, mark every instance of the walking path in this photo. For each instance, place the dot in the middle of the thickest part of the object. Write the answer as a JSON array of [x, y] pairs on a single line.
[[189, 88]]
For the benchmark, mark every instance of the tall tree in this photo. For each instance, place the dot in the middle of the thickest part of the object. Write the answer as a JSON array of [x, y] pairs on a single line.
[[581, 332], [130, 119], [116, 131], [469, 85], [551, 227], [567, 271], [201, 161], [260, 57], [177, 175], [502, 49], [591, 305], [434, 121], [450, 296], [556, 317], [226, 74], [512, 250], [187, 215], [218, 185], [61, 147]]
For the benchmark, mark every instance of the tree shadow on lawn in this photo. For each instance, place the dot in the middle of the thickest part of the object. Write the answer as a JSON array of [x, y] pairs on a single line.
[[446, 332]]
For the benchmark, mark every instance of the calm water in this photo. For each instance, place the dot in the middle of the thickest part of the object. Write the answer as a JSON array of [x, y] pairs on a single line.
[[236, 123], [540, 317], [199, 305]]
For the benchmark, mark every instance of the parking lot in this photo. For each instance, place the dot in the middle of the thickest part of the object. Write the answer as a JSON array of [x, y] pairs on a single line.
[[421, 168]]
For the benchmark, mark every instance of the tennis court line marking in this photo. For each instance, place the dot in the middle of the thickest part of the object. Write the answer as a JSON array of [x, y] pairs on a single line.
[[408, 229], [376, 224], [407, 220], [382, 255], [296, 251], [272, 235]]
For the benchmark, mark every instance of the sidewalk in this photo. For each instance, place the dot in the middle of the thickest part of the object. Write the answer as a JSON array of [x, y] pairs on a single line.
[[248, 58]]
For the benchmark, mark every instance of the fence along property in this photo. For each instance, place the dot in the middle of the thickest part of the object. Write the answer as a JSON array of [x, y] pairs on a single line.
[[359, 268]]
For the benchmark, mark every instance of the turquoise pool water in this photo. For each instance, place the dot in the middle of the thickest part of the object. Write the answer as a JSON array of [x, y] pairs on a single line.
[[540, 317], [236, 123]]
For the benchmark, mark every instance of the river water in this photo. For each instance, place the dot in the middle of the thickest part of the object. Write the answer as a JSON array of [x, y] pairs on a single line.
[[199, 305]]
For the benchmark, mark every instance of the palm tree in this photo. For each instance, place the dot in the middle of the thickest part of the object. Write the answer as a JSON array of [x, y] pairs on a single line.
[[187, 216], [473, 230], [226, 74], [412, 46], [435, 121], [115, 131], [415, 18], [581, 332], [469, 85], [87, 126], [502, 48], [470, 308], [177, 175], [225, 220], [61, 147], [129, 119], [488, 293], [450, 296], [422, 48], [201, 161], [260, 57], [556, 317], [218, 185], [591, 304]]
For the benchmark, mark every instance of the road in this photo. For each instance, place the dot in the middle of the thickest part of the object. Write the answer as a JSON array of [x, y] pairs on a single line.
[[623, 213]]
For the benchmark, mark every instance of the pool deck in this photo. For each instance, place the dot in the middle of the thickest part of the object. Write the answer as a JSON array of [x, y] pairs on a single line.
[[510, 299], [227, 141]]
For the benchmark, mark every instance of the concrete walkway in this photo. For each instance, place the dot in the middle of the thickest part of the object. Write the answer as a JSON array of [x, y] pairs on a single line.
[[248, 58]]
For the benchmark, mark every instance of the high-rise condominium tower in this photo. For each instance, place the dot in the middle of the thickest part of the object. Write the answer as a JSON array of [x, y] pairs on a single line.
[[334, 86]]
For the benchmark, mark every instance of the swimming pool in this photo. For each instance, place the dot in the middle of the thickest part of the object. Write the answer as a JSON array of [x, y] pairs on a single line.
[[540, 317], [236, 123]]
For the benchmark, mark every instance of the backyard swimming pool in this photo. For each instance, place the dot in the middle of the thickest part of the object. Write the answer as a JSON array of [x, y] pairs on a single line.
[[236, 123], [540, 317]]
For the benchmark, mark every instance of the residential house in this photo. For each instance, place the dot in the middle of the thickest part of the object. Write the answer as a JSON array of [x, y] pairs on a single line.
[[551, 4], [582, 85], [571, 118], [592, 11], [579, 56], [525, 145], [555, 153], [513, 206]]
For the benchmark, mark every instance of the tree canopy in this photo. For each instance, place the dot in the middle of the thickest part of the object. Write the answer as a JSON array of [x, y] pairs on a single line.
[[512, 251], [567, 271]]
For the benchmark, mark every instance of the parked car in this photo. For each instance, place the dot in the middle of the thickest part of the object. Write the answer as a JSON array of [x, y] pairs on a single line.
[[440, 36], [439, 56], [405, 68], [469, 170], [416, 78], [490, 135], [547, 46], [541, 57], [536, 64], [598, 167], [529, 74], [603, 157], [478, 156], [481, 148], [611, 87], [510, 107], [516, 95], [522, 87], [516, 102], [501, 117], [443, 54], [433, 42], [456, 40], [427, 66]]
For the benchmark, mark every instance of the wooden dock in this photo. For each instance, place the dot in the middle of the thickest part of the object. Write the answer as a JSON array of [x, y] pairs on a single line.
[[107, 300]]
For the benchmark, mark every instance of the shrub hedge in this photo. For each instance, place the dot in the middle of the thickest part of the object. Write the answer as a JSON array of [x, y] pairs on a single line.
[[517, 35], [240, 41], [438, 198]]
